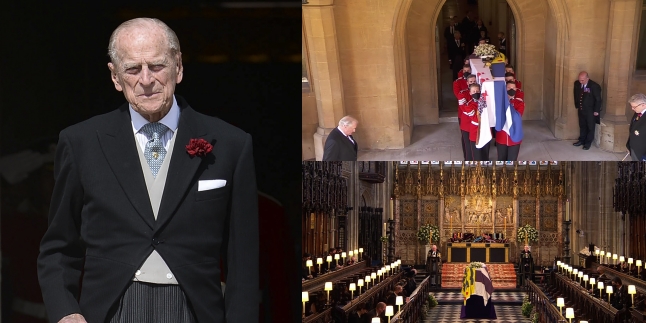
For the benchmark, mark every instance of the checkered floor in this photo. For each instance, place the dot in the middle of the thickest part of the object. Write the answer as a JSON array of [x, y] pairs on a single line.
[[451, 314], [501, 297], [506, 302]]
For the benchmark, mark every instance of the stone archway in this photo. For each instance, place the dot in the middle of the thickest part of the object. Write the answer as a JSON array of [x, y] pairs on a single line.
[[541, 35]]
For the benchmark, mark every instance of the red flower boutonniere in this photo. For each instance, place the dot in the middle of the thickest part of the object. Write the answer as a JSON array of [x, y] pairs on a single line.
[[198, 147]]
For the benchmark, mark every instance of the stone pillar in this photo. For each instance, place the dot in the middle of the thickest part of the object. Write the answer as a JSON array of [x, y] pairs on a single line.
[[619, 68], [323, 53]]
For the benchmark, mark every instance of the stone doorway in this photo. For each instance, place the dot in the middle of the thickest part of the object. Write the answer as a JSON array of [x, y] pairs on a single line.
[[540, 34]]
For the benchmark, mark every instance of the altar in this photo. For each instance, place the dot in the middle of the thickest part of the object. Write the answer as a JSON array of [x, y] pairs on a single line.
[[482, 252]]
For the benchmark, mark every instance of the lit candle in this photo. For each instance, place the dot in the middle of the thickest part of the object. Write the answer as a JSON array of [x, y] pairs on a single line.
[[638, 263], [567, 210], [632, 292], [384, 229], [392, 208], [389, 312], [399, 301], [328, 288], [569, 313], [309, 265], [305, 298]]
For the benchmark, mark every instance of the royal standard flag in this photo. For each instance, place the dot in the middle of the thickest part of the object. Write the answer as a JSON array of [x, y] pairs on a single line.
[[469, 283]]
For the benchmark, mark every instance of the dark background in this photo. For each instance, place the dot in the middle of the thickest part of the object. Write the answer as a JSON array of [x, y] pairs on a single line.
[[240, 64]]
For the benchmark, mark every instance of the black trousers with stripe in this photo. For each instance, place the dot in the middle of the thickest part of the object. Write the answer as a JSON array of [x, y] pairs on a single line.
[[153, 303]]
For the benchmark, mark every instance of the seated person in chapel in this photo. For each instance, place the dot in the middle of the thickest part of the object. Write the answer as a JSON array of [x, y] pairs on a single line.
[[619, 299], [526, 265], [434, 265]]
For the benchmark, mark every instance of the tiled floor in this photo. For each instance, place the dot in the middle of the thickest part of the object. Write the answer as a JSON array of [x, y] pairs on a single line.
[[451, 314], [507, 297], [506, 302]]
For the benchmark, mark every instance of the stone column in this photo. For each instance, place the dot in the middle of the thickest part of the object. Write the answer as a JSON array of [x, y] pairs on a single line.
[[619, 67], [323, 53]]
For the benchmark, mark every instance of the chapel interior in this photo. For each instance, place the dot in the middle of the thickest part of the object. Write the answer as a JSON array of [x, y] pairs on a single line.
[[552, 235]]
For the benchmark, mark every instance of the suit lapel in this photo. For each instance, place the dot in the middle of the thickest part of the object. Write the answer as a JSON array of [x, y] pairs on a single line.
[[119, 146], [182, 167]]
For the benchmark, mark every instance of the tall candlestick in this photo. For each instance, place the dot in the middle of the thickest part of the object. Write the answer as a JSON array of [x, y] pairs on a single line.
[[567, 210], [392, 208], [384, 229], [451, 224]]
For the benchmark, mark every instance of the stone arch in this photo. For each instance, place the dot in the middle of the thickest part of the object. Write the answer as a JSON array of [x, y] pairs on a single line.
[[413, 48]]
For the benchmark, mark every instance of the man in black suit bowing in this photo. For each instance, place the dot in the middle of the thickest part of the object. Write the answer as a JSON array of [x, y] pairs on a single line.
[[587, 100], [636, 144], [340, 145], [150, 202]]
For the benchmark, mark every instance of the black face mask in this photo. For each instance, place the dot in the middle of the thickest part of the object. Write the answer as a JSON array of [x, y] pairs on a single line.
[[511, 92], [475, 96], [466, 75]]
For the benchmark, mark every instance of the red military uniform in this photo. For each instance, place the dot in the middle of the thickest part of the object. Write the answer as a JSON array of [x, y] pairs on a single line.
[[502, 138], [520, 94], [459, 85], [461, 73], [472, 119], [465, 112], [518, 84]]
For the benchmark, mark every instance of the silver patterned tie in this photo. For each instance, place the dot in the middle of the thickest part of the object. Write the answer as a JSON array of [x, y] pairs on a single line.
[[155, 151]]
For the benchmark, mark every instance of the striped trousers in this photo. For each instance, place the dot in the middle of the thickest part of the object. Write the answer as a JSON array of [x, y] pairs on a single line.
[[153, 303]]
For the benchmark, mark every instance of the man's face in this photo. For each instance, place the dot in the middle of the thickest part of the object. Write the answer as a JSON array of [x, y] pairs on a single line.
[[473, 90], [466, 70], [526, 248], [146, 72], [434, 248], [471, 80], [457, 35], [583, 79], [509, 78], [349, 129], [511, 86], [509, 70], [637, 107], [500, 36]]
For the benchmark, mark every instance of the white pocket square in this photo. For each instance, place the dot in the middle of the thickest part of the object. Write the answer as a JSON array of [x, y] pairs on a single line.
[[210, 184]]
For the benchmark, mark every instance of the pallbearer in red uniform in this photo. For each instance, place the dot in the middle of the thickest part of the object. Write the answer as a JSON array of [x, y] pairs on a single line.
[[463, 113], [461, 83], [472, 122], [508, 149], [512, 77]]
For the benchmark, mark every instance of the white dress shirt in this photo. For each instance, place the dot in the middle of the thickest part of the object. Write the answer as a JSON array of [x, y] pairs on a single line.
[[170, 120]]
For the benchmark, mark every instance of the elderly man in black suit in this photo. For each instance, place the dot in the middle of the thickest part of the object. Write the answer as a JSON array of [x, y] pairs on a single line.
[[636, 144], [340, 145], [151, 202], [456, 48], [451, 29], [587, 100]]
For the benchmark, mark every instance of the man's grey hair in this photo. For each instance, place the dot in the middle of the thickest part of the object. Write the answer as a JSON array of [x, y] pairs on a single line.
[[171, 37], [638, 98], [346, 121]]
